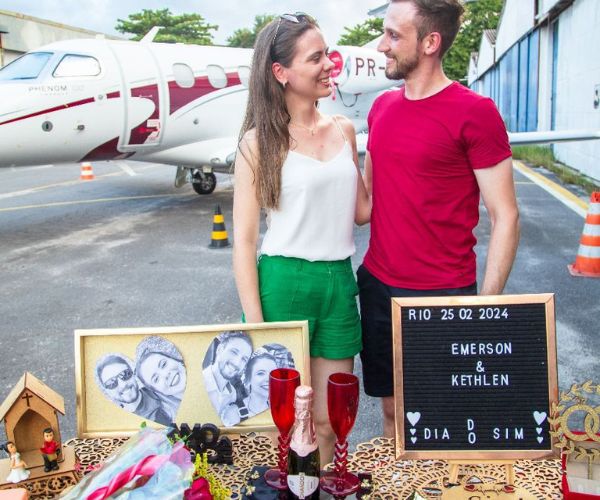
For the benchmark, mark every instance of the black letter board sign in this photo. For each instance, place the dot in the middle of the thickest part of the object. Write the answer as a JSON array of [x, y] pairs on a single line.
[[475, 377]]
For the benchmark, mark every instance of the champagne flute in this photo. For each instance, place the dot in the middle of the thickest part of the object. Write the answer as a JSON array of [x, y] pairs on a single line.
[[342, 406], [282, 386]]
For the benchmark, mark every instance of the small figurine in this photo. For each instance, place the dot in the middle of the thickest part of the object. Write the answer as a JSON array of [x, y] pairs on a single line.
[[18, 472], [50, 451]]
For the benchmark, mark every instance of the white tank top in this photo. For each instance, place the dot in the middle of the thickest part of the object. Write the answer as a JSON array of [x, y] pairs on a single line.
[[315, 219]]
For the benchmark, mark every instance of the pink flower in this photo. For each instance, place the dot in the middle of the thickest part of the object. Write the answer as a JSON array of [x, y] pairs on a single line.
[[200, 490]]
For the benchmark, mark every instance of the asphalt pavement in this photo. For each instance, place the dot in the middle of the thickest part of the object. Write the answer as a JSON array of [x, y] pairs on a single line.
[[129, 250]]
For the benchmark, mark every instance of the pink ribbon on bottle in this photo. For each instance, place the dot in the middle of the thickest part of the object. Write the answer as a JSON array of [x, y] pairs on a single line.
[[146, 467]]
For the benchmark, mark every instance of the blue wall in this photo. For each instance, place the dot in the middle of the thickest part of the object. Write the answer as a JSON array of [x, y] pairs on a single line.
[[513, 84]]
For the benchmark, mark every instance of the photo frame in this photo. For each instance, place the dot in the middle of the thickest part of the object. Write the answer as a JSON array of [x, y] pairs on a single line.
[[126, 376]]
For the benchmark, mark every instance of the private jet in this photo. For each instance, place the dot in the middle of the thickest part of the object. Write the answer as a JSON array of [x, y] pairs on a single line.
[[176, 104]]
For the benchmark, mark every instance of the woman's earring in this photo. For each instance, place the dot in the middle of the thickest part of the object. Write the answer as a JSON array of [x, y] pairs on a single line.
[[283, 84]]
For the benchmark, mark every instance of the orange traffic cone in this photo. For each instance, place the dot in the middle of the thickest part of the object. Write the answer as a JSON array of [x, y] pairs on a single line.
[[87, 172], [587, 262], [219, 233]]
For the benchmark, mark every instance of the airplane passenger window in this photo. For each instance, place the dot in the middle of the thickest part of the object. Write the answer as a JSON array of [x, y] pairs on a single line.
[[244, 74], [184, 76], [26, 67], [76, 65], [216, 76]]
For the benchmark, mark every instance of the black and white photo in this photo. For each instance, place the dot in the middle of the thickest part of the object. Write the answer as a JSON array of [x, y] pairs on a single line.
[[236, 377], [115, 376], [223, 365], [151, 387]]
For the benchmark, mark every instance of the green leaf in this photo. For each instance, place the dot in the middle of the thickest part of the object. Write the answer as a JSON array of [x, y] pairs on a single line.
[[479, 16], [362, 33], [245, 37], [184, 28]]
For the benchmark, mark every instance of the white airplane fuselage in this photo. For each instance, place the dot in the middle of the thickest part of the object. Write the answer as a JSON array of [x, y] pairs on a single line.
[[133, 107], [169, 103]]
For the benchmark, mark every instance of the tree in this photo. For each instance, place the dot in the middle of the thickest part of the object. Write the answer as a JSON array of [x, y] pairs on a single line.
[[362, 33], [185, 28], [479, 16], [245, 37]]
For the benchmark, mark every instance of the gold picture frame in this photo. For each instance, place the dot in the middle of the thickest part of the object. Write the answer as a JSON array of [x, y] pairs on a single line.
[[453, 306], [98, 416]]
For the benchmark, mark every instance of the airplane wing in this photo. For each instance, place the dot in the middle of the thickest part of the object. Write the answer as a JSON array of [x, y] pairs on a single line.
[[218, 153], [550, 136]]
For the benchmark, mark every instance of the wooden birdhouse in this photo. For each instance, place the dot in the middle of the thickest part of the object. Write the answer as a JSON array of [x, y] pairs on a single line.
[[30, 408]]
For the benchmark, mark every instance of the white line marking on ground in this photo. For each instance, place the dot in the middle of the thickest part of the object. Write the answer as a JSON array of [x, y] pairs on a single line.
[[98, 200], [126, 168]]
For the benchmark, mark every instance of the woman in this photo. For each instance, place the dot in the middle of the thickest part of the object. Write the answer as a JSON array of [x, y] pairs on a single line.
[[160, 367], [256, 387], [18, 471], [256, 381], [301, 166]]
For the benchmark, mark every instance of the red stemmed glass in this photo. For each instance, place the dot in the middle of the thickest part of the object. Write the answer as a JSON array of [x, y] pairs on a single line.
[[282, 386], [342, 406]]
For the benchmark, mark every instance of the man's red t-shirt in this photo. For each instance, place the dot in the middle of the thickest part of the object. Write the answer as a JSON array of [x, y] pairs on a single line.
[[425, 195]]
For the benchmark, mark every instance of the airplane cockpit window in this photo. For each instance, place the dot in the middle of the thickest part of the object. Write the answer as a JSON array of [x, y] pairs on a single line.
[[76, 65], [244, 74], [26, 67], [216, 76], [184, 75]]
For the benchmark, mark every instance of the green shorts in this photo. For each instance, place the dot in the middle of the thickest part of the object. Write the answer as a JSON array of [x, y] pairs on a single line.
[[322, 292]]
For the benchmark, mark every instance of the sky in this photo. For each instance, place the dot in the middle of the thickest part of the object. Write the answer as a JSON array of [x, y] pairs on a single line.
[[229, 15]]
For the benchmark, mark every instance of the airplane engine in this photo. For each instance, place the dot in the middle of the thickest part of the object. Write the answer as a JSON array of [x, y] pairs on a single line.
[[358, 70]]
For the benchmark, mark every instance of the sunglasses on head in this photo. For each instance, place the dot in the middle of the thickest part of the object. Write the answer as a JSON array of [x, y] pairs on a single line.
[[297, 18], [111, 383]]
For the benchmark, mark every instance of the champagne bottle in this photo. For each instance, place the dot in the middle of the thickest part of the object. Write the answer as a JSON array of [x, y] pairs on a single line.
[[304, 464]]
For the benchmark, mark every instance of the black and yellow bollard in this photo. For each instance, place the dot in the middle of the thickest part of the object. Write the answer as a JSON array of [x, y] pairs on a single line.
[[219, 233]]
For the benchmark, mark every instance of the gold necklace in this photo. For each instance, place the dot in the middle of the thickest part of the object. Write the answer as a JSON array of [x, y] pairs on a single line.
[[311, 130]]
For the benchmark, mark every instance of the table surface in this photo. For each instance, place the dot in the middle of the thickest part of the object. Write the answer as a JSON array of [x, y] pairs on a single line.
[[392, 479]]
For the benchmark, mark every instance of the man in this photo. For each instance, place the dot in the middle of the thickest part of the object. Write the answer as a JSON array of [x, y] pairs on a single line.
[[50, 451], [434, 146], [116, 378], [232, 354]]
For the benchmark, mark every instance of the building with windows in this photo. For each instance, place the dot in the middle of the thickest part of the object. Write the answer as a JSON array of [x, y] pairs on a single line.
[[542, 69], [20, 33]]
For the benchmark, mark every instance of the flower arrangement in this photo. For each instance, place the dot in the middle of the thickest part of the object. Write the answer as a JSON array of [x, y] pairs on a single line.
[[205, 482]]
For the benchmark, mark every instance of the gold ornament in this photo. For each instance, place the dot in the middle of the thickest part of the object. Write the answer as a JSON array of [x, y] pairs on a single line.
[[570, 403]]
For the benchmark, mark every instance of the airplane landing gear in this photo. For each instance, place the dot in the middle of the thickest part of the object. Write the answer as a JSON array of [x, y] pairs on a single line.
[[203, 182]]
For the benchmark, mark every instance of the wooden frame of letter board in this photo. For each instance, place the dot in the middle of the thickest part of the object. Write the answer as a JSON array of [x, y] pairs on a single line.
[[470, 301]]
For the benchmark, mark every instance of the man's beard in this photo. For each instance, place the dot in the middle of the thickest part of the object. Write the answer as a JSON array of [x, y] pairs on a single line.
[[129, 397], [401, 69]]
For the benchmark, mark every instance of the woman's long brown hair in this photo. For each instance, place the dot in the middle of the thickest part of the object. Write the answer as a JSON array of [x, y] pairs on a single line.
[[266, 111]]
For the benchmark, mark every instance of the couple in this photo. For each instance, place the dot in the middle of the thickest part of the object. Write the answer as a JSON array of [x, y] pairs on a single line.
[[434, 147], [236, 378], [153, 388]]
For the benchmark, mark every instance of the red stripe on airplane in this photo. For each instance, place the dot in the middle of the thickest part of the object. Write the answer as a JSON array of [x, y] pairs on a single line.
[[180, 96], [106, 151], [58, 108], [139, 134]]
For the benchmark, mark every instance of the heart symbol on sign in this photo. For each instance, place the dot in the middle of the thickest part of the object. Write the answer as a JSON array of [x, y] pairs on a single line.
[[539, 430], [414, 417], [539, 416], [413, 439], [540, 439], [412, 431]]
